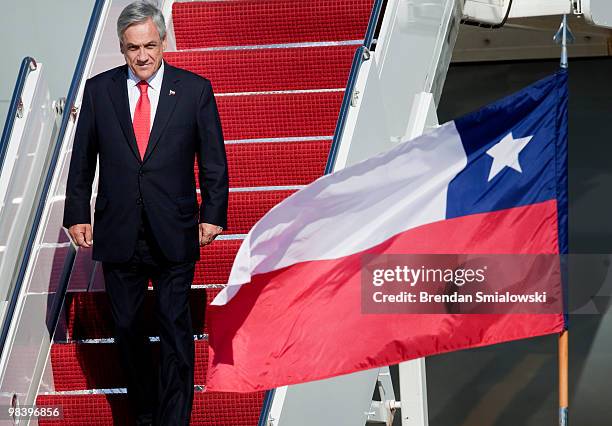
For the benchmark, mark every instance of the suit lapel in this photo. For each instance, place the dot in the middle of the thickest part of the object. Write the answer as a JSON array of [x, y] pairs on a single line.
[[119, 97], [168, 97]]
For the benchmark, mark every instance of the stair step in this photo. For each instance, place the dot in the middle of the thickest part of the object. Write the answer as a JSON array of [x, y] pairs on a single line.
[[209, 408], [246, 208], [295, 163], [262, 164], [276, 163], [279, 115], [256, 22], [216, 262], [232, 71], [81, 366], [88, 314]]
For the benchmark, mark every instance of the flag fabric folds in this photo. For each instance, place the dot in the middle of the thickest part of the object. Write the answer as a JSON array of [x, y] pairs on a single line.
[[493, 181]]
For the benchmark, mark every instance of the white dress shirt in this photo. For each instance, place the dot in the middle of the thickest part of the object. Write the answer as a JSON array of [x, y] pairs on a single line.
[[155, 82]]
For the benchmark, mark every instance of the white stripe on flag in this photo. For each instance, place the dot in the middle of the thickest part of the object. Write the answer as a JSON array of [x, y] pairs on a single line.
[[353, 209]]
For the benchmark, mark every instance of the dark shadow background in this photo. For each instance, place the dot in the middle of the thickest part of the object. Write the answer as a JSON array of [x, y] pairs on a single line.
[[516, 383]]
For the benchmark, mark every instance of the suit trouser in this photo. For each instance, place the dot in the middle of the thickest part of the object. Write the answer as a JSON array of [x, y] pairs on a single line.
[[163, 394]]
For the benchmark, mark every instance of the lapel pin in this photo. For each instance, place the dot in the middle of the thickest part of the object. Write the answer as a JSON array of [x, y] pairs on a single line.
[[172, 93]]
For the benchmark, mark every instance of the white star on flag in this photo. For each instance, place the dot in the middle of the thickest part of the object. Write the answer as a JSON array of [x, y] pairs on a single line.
[[505, 153]]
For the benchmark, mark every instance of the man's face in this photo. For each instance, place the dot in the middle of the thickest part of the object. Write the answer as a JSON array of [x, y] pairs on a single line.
[[143, 48]]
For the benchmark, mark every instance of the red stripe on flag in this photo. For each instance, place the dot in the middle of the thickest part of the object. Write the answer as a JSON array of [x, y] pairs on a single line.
[[304, 322]]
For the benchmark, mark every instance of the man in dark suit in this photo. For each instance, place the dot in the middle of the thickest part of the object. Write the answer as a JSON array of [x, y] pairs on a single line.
[[147, 122]]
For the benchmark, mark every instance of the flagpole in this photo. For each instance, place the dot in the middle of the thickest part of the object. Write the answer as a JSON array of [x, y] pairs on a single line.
[[564, 43], [563, 37], [563, 378]]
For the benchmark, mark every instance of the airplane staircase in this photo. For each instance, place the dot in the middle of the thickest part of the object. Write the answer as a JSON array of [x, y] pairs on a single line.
[[279, 69]]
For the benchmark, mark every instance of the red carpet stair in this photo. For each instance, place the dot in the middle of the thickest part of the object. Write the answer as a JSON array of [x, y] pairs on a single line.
[[278, 68]]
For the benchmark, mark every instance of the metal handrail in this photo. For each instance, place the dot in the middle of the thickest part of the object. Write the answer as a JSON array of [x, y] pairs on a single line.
[[265, 408], [27, 65], [373, 23], [362, 54], [63, 284]]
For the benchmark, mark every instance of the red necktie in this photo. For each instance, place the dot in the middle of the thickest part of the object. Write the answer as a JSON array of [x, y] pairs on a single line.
[[142, 118]]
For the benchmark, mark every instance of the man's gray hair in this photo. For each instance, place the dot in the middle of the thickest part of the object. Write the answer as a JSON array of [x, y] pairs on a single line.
[[138, 12]]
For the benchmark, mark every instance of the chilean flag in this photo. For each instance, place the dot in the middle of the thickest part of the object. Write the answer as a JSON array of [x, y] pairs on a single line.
[[493, 181]]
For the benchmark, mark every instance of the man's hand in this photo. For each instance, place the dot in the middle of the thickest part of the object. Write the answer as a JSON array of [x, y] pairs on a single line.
[[81, 234], [208, 233]]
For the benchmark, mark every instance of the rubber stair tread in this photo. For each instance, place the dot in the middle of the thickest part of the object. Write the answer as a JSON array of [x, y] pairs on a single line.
[[209, 409], [238, 71], [88, 314], [246, 208], [256, 22], [294, 163], [279, 115], [80, 366]]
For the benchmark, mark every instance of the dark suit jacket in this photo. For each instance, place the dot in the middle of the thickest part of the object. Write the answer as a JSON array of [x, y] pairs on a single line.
[[186, 126]]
